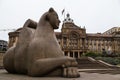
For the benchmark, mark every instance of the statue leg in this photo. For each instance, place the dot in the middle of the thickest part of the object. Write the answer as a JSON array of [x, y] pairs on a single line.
[[69, 72], [54, 67], [56, 72], [70, 69], [42, 67]]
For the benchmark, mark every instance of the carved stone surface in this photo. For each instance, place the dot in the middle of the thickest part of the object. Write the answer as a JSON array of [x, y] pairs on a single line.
[[37, 52]]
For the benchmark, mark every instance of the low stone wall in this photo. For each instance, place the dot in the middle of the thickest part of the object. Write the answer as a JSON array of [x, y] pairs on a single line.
[[1, 59]]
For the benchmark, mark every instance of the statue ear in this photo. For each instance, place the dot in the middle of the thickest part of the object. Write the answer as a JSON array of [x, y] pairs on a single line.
[[47, 17], [51, 10]]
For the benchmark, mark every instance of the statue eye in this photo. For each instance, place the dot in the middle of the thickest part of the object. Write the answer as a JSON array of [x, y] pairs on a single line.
[[57, 17]]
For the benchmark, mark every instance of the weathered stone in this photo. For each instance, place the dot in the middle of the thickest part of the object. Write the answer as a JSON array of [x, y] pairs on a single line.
[[37, 52]]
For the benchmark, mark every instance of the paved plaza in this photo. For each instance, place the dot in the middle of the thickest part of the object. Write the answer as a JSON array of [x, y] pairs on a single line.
[[86, 74]]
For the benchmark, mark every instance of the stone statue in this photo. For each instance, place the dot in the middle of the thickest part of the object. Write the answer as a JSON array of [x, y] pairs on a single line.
[[37, 52]]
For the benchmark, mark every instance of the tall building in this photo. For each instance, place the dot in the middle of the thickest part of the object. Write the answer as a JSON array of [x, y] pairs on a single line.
[[74, 40]]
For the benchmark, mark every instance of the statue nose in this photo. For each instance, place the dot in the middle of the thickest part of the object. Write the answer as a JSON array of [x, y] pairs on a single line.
[[59, 21]]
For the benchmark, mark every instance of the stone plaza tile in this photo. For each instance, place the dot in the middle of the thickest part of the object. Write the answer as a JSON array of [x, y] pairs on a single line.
[[84, 76]]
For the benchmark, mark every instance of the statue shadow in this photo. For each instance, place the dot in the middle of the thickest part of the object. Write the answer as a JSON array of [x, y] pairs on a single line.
[[4, 75]]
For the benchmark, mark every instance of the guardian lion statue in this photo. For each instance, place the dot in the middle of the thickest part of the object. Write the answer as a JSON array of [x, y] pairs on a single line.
[[37, 52]]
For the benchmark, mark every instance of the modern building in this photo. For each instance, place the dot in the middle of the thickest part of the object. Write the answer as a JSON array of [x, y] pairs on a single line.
[[3, 45], [74, 40]]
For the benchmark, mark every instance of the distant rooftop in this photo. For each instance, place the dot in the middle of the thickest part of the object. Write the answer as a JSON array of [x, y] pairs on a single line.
[[98, 35]]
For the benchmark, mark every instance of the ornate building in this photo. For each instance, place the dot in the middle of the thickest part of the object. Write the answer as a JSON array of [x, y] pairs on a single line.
[[74, 40], [113, 30]]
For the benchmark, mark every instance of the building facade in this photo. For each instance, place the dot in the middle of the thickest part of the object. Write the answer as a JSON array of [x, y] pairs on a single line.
[[74, 40], [113, 30], [3, 45]]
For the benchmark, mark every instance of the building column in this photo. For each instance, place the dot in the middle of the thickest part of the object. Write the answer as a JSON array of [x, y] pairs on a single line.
[[78, 54], [63, 53], [68, 54], [78, 43], [67, 42], [73, 54]]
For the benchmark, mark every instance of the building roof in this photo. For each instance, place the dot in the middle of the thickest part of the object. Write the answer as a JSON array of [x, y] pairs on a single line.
[[112, 30], [68, 19], [3, 41], [97, 35]]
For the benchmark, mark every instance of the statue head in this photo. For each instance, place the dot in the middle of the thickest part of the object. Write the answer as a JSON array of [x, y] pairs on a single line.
[[51, 17]]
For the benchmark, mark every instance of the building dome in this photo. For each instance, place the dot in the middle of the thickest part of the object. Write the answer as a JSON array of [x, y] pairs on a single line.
[[68, 19]]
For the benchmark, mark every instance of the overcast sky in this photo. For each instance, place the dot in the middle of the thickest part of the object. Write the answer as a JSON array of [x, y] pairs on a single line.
[[95, 15]]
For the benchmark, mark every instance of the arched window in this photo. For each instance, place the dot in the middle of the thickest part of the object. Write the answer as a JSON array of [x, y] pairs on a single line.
[[73, 36]]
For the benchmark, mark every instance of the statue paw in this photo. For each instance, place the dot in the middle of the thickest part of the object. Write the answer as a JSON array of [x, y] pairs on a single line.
[[70, 69], [70, 63], [71, 72]]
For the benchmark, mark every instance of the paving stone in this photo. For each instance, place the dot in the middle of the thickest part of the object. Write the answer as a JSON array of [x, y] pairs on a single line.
[[84, 76]]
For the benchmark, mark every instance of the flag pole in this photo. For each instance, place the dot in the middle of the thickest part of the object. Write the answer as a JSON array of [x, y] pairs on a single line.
[[63, 13], [64, 19]]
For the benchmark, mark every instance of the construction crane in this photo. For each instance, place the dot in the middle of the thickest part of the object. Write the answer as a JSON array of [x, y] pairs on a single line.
[[8, 29]]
